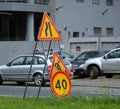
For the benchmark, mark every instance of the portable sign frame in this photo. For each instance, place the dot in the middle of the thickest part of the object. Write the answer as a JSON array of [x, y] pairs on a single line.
[[58, 65], [61, 84], [48, 30]]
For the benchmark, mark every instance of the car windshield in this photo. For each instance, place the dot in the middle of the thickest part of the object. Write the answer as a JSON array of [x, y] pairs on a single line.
[[102, 53], [65, 54], [66, 62], [86, 55]]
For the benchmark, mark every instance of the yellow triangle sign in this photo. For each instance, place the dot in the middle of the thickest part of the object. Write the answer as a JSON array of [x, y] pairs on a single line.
[[48, 31], [58, 65]]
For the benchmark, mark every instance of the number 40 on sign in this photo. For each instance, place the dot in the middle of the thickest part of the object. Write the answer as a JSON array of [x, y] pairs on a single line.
[[61, 84]]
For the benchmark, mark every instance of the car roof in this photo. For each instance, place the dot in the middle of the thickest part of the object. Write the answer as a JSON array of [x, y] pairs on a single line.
[[91, 51], [40, 55]]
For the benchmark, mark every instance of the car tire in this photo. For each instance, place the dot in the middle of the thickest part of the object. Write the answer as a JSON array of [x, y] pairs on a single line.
[[93, 72], [39, 80], [20, 82], [108, 75], [1, 81]]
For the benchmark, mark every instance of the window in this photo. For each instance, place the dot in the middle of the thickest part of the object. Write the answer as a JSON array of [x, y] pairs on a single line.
[[109, 31], [114, 54], [41, 1], [75, 34], [41, 60], [0, 29], [83, 34], [18, 61], [80, 1], [109, 2], [29, 60], [97, 2], [97, 31], [12, 29]]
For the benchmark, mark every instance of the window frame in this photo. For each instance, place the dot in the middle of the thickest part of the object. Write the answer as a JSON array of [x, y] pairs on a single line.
[[109, 30], [76, 34], [109, 2], [96, 2], [81, 1], [96, 29]]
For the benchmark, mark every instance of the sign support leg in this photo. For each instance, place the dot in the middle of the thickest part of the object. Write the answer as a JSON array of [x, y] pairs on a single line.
[[45, 64], [30, 70]]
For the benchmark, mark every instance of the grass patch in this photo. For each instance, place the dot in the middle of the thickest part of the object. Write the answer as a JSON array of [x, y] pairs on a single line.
[[56, 103]]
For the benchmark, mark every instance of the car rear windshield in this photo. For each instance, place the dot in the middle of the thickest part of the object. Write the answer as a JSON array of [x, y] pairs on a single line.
[[65, 61]]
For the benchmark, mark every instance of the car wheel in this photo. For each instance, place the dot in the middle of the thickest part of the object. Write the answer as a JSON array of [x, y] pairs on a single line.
[[39, 80], [108, 75], [93, 72], [20, 82], [1, 81]]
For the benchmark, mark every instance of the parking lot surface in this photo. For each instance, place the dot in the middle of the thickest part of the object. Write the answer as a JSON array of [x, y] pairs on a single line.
[[100, 82]]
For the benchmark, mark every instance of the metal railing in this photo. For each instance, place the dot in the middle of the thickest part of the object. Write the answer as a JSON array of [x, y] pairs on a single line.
[[25, 1], [19, 1]]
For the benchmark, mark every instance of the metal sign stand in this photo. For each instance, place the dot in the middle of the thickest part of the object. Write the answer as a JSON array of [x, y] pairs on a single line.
[[30, 70], [47, 27], [46, 58]]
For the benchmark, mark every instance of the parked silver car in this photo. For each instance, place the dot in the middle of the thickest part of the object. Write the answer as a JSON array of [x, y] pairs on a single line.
[[107, 65], [18, 70]]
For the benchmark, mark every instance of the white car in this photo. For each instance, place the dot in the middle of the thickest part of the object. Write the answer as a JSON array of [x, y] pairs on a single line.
[[107, 65]]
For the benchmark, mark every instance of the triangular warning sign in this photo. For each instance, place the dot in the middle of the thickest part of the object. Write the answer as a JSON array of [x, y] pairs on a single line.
[[58, 65], [48, 30]]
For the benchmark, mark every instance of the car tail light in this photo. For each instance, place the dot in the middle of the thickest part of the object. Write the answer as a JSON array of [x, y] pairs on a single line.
[[71, 71], [49, 68]]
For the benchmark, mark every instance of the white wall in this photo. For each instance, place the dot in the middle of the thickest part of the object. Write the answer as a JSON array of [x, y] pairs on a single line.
[[83, 17], [11, 49]]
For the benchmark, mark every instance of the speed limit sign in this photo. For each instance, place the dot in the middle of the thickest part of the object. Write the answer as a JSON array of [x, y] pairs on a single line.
[[61, 84]]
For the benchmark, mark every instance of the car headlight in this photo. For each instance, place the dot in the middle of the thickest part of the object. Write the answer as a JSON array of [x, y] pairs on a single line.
[[81, 66]]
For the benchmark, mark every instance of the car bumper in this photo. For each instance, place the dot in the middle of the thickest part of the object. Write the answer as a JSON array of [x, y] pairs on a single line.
[[78, 72]]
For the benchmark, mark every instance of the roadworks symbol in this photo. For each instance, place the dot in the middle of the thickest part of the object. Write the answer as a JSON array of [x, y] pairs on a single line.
[[48, 31]]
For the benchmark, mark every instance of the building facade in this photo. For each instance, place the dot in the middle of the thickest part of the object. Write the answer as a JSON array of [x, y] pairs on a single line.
[[20, 19], [83, 24], [89, 24]]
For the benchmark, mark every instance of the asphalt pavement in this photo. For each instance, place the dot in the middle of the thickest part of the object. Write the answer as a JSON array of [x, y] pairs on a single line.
[[100, 82], [80, 87], [97, 87]]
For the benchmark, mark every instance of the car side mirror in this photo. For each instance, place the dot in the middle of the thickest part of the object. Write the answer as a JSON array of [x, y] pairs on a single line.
[[105, 57], [63, 57], [8, 64], [72, 56]]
